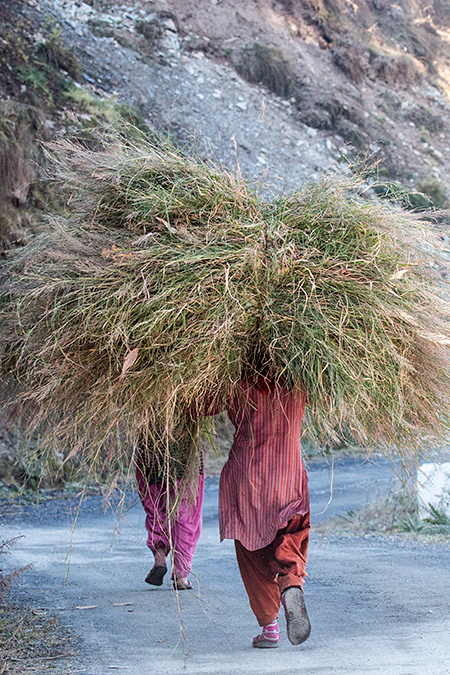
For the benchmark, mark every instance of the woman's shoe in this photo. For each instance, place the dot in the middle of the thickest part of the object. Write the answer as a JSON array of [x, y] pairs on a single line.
[[261, 642], [156, 575], [297, 621], [269, 638], [179, 585]]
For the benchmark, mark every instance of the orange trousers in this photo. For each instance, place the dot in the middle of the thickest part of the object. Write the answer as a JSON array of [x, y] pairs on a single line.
[[268, 571]]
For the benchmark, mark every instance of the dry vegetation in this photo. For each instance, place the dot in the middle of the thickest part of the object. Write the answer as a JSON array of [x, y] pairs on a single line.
[[153, 296], [28, 635], [395, 515], [32, 641]]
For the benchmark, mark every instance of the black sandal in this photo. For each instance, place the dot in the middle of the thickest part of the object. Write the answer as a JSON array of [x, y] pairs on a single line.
[[156, 575], [180, 586]]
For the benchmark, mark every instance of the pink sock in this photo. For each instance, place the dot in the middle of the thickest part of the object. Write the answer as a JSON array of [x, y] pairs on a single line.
[[269, 638], [271, 631]]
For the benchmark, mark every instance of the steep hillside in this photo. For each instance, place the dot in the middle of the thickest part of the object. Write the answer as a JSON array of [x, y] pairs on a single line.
[[286, 89], [372, 73]]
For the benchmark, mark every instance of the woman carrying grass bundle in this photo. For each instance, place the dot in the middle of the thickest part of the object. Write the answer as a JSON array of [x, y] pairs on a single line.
[[264, 504], [173, 513]]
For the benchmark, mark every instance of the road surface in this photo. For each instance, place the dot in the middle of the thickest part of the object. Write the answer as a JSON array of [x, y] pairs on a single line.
[[377, 604]]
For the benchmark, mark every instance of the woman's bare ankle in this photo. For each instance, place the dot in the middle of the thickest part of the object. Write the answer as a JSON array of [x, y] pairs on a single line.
[[160, 557]]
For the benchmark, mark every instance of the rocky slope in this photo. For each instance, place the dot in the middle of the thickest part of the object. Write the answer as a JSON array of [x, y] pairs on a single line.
[[369, 76], [280, 90]]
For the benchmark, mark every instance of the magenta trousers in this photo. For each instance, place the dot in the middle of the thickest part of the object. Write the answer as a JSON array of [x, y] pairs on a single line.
[[178, 535]]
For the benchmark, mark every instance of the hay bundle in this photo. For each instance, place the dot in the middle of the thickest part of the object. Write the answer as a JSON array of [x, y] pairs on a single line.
[[168, 280]]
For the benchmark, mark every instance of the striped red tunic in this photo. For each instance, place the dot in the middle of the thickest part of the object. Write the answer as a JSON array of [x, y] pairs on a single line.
[[264, 483]]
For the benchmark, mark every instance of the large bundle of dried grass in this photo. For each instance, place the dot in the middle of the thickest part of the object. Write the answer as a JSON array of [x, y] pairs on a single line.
[[169, 280]]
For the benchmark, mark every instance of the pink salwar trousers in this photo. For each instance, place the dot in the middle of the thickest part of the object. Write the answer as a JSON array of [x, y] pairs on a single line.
[[178, 535]]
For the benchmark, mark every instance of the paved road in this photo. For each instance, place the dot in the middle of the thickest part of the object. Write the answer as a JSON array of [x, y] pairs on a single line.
[[377, 605]]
